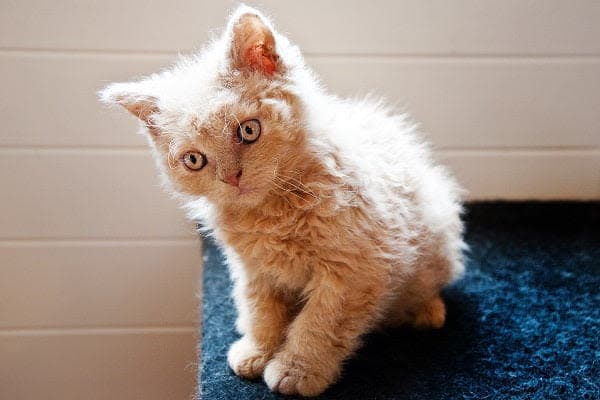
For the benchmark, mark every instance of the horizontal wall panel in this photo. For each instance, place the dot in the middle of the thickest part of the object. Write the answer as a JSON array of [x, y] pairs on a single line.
[[85, 194], [50, 99], [482, 103], [74, 284], [460, 103], [151, 366], [339, 26], [527, 175]]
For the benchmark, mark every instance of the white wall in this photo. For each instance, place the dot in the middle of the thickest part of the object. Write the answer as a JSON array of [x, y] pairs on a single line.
[[98, 268]]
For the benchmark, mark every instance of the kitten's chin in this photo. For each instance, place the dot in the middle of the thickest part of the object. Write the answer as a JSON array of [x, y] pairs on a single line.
[[244, 191], [242, 196]]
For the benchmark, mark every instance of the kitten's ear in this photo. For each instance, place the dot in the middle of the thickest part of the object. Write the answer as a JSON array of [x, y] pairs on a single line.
[[253, 43], [132, 97]]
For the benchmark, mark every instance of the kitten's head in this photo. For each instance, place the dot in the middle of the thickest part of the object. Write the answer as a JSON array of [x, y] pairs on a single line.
[[225, 124]]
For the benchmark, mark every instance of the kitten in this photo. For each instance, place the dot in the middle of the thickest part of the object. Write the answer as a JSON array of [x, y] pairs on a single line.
[[332, 215]]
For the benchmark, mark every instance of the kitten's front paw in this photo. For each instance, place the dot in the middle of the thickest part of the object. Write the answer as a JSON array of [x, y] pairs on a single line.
[[246, 359], [289, 375]]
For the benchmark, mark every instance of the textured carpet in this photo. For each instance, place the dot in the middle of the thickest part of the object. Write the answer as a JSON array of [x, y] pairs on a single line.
[[523, 323]]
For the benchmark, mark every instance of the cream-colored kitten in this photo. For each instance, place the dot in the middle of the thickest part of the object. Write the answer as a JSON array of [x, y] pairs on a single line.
[[333, 217]]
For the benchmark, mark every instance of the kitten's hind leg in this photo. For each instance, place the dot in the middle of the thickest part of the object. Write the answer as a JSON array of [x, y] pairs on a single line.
[[424, 314], [431, 314]]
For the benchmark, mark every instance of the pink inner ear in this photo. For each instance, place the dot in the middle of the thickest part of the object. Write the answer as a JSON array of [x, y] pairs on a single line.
[[261, 58], [254, 45]]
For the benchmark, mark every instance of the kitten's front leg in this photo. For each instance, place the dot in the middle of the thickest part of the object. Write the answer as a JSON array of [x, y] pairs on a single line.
[[267, 318], [326, 331]]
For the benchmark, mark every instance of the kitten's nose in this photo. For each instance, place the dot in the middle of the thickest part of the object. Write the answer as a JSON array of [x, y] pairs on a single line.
[[234, 179]]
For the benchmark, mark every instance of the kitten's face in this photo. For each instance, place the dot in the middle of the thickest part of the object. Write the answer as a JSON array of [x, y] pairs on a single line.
[[223, 125], [238, 152]]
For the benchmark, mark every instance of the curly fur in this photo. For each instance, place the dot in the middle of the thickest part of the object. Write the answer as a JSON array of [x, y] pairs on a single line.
[[340, 222]]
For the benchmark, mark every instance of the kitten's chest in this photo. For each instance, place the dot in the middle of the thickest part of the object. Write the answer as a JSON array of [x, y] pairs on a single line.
[[280, 250]]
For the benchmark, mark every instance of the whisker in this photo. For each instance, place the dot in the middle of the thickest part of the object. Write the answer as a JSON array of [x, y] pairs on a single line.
[[302, 189], [289, 187], [299, 185], [283, 197], [288, 191]]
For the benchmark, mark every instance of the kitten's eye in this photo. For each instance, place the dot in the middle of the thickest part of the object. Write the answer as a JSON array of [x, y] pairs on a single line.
[[194, 161], [248, 131]]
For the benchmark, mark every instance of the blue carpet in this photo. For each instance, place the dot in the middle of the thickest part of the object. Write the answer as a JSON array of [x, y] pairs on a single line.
[[523, 323]]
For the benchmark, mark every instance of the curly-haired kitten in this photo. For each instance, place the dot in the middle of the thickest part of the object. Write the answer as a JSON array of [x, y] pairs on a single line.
[[333, 217]]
